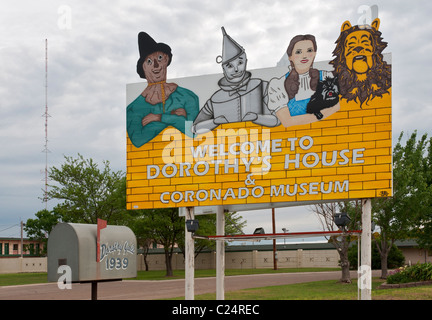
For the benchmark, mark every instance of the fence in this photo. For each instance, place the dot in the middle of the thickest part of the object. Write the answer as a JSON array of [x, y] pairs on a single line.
[[252, 259], [18, 264], [249, 260]]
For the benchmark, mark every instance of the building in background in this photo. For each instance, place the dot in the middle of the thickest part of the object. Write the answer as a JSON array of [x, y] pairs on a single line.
[[12, 247]]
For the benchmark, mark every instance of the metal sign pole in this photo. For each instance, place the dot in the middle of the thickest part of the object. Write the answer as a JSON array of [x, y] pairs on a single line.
[[189, 258], [274, 241], [220, 254], [365, 272], [94, 288]]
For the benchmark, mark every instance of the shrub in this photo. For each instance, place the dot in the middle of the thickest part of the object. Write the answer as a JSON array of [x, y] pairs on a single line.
[[414, 273]]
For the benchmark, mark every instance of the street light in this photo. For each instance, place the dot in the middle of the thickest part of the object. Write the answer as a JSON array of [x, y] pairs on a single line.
[[342, 220], [192, 225], [285, 230], [259, 230]]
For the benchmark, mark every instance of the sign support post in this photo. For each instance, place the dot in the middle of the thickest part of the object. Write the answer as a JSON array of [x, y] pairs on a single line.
[[365, 272], [189, 258], [274, 241], [220, 254]]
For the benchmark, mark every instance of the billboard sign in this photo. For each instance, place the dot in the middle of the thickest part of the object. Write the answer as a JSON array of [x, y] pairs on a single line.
[[298, 133]]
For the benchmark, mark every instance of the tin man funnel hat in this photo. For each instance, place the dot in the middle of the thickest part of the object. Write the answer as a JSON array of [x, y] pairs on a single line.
[[230, 49]]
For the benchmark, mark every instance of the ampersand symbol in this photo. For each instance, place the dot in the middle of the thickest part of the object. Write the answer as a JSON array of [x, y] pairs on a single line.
[[249, 181]]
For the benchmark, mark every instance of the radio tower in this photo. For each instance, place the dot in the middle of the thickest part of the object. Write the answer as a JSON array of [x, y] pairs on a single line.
[[46, 115]]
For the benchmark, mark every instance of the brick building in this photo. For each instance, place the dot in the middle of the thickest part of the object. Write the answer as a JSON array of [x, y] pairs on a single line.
[[12, 247]]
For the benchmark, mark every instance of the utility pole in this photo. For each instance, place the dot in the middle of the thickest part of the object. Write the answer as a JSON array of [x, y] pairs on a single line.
[[22, 239], [274, 241], [46, 115]]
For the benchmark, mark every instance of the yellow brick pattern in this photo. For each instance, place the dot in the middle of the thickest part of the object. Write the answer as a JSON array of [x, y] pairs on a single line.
[[367, 129]]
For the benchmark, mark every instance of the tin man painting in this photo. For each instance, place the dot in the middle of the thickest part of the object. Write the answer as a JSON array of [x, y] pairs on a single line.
[[240, 97]]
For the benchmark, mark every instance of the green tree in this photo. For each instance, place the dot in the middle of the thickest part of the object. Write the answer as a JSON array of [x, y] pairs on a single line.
[[423, 230], [39, 228], [87, 192], [326, 213], [163, 226], [396, 216], [395, 257]]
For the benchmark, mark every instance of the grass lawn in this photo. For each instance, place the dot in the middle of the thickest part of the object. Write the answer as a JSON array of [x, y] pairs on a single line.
[[12, 279], [324, 290], [180, 274], [318, 290]]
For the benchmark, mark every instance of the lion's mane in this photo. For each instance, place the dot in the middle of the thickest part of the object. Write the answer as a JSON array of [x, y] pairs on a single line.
[[379, 75]]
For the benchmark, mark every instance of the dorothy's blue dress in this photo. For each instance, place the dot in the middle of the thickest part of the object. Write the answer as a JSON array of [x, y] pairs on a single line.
[[298, 106]]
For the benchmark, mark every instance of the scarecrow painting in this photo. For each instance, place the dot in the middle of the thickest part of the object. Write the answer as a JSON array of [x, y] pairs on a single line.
[[161, 104]]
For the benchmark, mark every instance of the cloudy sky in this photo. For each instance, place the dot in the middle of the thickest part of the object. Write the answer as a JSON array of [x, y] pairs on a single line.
[[92, 53]]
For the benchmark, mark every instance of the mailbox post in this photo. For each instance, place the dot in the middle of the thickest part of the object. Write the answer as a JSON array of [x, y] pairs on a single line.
[[91, 258]]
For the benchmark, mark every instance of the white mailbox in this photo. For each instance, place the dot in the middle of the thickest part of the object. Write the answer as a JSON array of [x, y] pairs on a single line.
[[76, 246]]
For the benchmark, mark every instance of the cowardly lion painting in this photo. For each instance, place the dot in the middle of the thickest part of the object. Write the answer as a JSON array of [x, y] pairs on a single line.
[[359, 64]]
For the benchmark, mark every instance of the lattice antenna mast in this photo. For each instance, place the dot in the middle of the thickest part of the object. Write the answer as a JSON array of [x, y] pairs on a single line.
[[46, 115]]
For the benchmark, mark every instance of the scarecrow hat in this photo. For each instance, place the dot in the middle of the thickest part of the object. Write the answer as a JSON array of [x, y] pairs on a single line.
[[147, 45]]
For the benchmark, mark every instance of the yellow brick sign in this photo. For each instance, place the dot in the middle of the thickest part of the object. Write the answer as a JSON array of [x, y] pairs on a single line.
[[245, 139]]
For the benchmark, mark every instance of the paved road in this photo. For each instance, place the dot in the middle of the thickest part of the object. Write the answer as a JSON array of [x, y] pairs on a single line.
[[151, 290]]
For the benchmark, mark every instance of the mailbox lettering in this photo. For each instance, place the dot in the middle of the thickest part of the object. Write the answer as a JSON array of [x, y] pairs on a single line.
[[116, 263], [116, 249]]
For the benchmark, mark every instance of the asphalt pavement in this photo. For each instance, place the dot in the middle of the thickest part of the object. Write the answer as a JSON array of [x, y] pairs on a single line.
[[163, 289]]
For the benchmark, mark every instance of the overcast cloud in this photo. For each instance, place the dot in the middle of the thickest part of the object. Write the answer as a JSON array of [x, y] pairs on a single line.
[[92, 49]]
